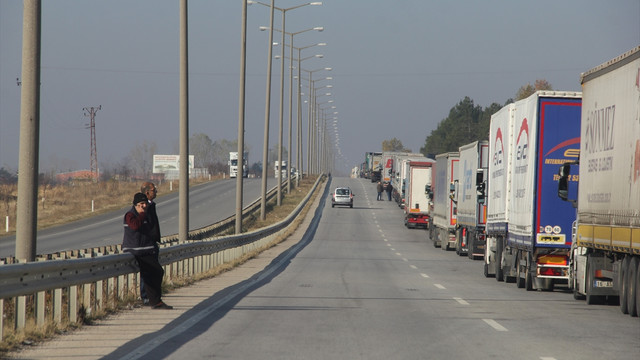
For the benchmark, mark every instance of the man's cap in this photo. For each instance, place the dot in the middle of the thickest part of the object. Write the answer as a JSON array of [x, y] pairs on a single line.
[[139, 197]]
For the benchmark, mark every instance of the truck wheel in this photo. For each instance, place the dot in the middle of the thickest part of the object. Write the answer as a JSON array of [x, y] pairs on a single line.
[[637, 287], [528, 278], [632, 291], [590, 298], [498, 263], [470, 238], [519, 278], [624, 281], [486, 270]]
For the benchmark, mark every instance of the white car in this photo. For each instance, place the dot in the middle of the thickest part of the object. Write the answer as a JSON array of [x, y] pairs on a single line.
[[342, 196]]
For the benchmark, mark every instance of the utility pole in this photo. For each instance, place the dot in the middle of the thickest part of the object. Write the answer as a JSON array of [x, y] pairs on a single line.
[[91, 112]]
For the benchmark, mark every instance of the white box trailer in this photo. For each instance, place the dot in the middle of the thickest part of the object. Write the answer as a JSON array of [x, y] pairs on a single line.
[[401, 173], [498, 186], [471, 217], [605, 256], [442, 231], [417, 210]]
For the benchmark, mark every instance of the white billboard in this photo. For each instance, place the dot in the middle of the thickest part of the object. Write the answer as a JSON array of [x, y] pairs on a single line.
[[166, 163]]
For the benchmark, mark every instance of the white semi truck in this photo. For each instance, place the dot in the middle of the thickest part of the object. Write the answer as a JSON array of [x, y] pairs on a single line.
[[443, 221], [233, 165], [605, 256], [470, 235], [417, 209], [281, 170]]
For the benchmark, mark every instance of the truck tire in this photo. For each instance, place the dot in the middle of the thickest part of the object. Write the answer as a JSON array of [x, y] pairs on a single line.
[[637, 287], [498, 263], [528, 278], [470, 244], [632, 291], [589, 297], [624, 281], [519, 278]]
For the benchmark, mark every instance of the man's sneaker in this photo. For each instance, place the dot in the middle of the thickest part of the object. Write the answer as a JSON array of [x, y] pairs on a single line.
[[162, 306]]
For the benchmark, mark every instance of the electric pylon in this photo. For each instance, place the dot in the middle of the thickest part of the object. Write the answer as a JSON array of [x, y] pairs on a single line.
[[91, 112]]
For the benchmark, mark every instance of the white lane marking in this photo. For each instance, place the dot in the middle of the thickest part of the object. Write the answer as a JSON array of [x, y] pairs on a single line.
[[386, 240], [392, 249], [547, 358], [424, 275], [494, 324], [398, 253], [460, 301], [413, 267], [388, 244], [439, 286], [405, 259]]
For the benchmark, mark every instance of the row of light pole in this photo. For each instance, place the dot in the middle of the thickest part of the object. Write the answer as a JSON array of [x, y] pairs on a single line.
[[310, 167]]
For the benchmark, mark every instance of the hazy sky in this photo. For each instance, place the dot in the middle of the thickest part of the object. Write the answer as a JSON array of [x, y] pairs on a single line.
[[399, 66]]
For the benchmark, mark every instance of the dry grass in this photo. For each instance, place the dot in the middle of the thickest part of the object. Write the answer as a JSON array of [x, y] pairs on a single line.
[[61, 204], [33, 333]]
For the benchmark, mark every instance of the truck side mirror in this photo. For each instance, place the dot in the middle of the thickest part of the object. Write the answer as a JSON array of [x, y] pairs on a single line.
[[563, 188], [428, 191], [480, 186], [563, 182]]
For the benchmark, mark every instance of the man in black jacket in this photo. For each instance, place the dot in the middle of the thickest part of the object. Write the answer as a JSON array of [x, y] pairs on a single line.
[[138, 240]]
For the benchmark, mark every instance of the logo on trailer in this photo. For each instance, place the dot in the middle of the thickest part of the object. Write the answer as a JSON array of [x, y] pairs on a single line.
[[498, 155], [523, 145]]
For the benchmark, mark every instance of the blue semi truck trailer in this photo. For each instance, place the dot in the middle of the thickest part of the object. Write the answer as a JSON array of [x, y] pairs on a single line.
[[528, 227]]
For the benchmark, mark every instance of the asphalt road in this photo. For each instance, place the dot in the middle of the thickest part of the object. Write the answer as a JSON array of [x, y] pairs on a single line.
[[362, 286], [208, 203]]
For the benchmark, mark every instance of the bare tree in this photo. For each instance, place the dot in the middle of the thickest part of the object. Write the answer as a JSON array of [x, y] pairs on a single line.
[[142, 158]]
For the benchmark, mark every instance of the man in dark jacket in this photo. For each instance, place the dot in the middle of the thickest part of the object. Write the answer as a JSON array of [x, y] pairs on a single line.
[[149, 189], [138, 240]]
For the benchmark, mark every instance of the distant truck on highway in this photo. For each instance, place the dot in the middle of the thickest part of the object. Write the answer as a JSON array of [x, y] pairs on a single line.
[[528, 242], [233, 165], [417, 209], [605, 254], [444, 214], [280, 170], [472, 216]]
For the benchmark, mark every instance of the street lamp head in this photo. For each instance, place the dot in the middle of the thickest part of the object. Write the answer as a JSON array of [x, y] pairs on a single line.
[[316, 3], [321, 44], [318, 28]]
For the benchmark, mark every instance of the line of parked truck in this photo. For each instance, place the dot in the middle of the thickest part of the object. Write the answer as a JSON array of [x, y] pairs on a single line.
[[551, 197]]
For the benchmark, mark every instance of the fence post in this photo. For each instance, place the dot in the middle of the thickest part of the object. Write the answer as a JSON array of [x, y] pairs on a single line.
[[40, 308], [57, 306], [21, 305], [73, 304]]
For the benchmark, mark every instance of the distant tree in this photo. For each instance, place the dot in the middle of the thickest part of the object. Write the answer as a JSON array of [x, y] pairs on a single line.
[[466, 123], [142, 158], [256, 168], [7, 177], [201, 147], [394, 145], [527, 90]]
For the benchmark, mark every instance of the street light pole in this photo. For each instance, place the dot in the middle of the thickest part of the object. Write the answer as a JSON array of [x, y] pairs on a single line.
[[265, 148], [241, 99], [266, 135]]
